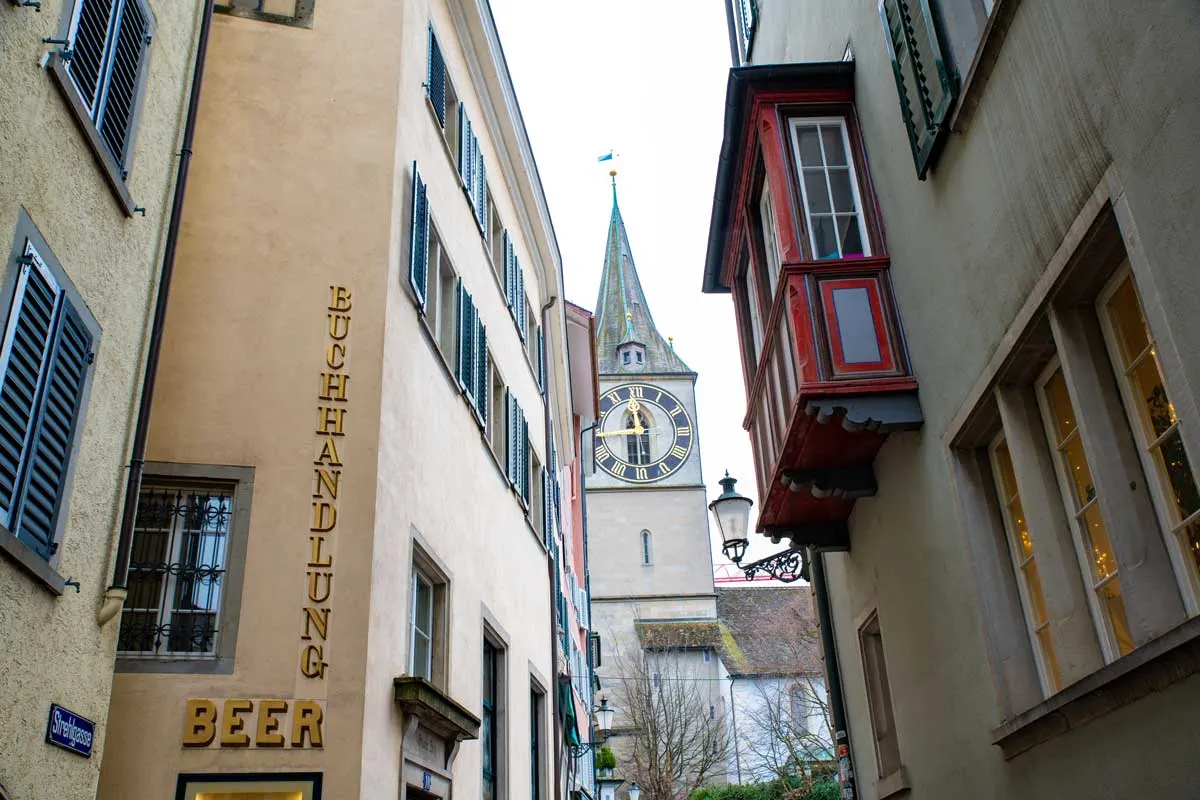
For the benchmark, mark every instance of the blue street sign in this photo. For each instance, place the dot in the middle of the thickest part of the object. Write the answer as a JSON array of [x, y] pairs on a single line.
[[70, 731], [426, 781]]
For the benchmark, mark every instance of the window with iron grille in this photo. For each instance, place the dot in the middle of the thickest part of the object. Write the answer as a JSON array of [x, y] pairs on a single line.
[[102, 70], [46, 352], [177, 571]]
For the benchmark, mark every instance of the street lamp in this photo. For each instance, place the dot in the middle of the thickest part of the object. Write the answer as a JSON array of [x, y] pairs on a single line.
[[603, 716], [732, 513], [635, 791]]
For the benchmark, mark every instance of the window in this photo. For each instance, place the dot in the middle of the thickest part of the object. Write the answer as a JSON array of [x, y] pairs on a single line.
[[537, 503], [207, 786], [926, 82], [770, 237], [531, 331], [1154, 422], [637, 445], [102, 71], [879, 698], [1021, 548], [288, 12], [491, 734], [514, 285], [646, 550], [707, 655], [498, 427], [185, 568], [45, 372], [633, 356], [746, 21], [537, 701], [798, 708], [517, 468], [833, 213], [1083, 505], [421, 654], [443, 99], [751, 312], [496, 239]]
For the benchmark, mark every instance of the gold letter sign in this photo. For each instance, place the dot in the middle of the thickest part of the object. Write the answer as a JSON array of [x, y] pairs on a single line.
[[333, 387]]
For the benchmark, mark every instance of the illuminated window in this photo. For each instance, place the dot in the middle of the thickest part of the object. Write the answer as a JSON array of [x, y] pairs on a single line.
[[262, 786]]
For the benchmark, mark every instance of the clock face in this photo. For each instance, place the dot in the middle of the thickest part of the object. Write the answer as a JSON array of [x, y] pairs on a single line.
[[644, 435]]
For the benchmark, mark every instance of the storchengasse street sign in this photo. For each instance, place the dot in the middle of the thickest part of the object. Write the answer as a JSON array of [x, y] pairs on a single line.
[[70, 731]]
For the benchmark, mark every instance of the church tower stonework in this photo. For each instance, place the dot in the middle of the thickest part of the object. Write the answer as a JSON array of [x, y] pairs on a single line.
[[650, 560]]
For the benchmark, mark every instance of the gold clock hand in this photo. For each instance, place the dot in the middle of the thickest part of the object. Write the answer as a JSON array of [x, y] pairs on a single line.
[[617, 433]]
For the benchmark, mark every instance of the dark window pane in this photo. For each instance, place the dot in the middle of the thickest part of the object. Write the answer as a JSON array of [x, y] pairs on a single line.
[[849, 236], [826, 237], [1179, 472], [843, 192], [810, 146], [835, 151], [816, 191]]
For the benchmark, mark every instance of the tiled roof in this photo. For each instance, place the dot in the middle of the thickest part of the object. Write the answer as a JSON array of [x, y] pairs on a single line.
[[769, 629], [678, 634]]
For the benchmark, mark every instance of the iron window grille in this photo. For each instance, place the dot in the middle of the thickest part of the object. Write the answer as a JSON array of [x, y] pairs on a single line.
[[177, 572]]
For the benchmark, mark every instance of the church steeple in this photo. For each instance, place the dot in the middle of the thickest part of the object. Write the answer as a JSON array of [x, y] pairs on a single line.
[[623, 321]]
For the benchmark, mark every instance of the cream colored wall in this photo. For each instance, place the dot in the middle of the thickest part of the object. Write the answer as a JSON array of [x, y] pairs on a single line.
[[290, 193], [55, 651], [1077, 89], [436, 474]]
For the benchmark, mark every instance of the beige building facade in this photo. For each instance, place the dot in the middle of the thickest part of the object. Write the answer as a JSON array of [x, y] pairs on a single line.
[[341, 583], [92, 102], [1014, 596]]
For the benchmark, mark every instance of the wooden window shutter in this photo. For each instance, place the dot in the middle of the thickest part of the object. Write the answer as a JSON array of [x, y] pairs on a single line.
[[88, 48], [418, 248], [519, 298], [925, 81], [541, 361], [508, 437], [465, 153], [28, 339], [481, 215], [53, 435], [547, 514], [482, 379], [508, 272], [525, 462], [465, 340], [435, 80]]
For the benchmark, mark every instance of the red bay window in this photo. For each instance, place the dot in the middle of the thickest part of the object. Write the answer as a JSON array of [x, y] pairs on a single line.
[[797, 238]]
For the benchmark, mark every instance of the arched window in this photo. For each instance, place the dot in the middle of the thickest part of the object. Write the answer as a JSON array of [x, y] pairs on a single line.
[[646, 553], [637, 445]]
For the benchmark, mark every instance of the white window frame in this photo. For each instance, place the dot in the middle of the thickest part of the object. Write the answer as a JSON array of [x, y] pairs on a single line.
[[1079, 536], [793, 124], [419, 579], [646, 542], [1018, 565], [770, 236], [1168, 516]]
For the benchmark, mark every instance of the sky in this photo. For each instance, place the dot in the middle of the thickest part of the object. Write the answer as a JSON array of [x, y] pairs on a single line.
[[646, 79]]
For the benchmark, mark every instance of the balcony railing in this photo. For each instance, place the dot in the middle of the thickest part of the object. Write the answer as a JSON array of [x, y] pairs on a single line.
[[833, 352]]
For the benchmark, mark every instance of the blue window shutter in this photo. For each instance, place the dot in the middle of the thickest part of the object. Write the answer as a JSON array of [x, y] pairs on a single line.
[[509, 280], [88, 45], [469, 332], [547, 515], [435, 80], [482, 382], [748, 11], [514, 412], [418, 251], [925, 81], [28, 337], [519, 299], [524, 452], [463, 349], [480, 191], [126, 68], [54, 432], [541, 360]]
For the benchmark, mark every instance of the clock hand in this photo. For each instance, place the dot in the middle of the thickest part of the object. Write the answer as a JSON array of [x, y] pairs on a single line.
[[617, 433]]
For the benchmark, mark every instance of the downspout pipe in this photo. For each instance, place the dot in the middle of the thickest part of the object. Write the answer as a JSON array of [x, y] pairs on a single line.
[[833, 679], [114, 598]]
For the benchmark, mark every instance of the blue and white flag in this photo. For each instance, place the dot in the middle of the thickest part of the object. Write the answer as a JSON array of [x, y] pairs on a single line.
[[606, 157]]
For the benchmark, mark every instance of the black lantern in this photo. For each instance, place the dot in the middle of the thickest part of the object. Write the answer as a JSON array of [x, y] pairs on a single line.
[[732, 513]]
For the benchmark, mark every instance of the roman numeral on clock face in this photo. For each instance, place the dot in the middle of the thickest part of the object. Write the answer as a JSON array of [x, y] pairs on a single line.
[[619, 470], [678, 452], [641, 473]]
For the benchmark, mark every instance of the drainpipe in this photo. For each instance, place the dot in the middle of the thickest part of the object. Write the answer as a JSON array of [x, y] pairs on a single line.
[[837, 708], [114, 597], [737, 753]]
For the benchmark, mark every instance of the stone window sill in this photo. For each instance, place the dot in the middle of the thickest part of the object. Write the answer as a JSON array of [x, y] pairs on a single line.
[[893, 785], [34, 565], [1152, 667], [986, 55], [108, 165]]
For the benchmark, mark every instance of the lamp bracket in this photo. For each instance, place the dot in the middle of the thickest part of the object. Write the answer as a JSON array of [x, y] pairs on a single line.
[[785, 566]]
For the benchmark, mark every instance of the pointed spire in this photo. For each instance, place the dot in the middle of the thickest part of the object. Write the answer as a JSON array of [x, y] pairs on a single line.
[[622, 314]]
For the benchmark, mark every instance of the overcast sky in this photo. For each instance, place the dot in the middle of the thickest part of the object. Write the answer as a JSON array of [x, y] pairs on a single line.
[[645, 78]]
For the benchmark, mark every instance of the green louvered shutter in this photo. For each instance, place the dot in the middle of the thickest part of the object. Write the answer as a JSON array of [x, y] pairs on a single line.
[[514, 428], [435, 79], [466, 338], [509, 280], [541, 361], [547, 506], [925, 81], [466, 151], [525, 465], [482, 380], [519, 297], [418, 248], [481, 192], [53, 436], [28, 337]]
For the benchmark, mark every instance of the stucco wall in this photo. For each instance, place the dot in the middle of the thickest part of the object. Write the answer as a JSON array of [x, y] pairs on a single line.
[[290, 193], [55, 651], [1077, 88]]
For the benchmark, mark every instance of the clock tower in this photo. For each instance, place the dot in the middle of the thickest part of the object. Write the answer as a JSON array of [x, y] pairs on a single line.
[[649, 557]]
